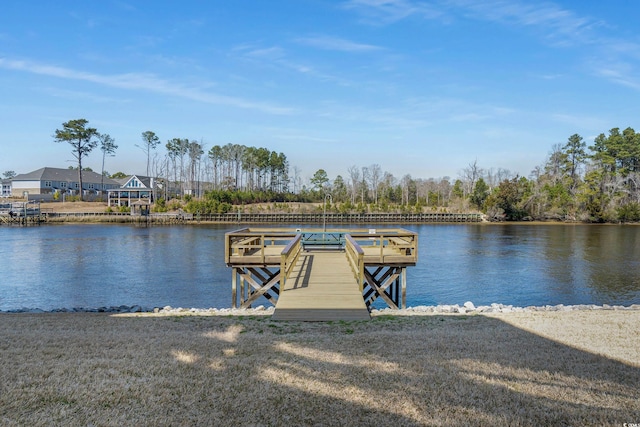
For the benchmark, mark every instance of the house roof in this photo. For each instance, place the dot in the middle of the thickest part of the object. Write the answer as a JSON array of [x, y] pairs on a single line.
[[57, 174], [144, 180], [122, 181]]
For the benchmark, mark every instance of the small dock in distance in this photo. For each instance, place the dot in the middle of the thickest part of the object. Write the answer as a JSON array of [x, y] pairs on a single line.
[[20, 213], [317, 275]]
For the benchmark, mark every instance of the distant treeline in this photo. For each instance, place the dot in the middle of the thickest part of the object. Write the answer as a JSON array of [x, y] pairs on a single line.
[[595, 183]]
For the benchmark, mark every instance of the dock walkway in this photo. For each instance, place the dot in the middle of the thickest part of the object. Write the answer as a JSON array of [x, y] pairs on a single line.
[[321, 287]]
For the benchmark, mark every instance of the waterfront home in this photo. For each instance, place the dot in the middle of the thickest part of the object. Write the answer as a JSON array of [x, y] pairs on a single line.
[[44, 183], [133, 189]]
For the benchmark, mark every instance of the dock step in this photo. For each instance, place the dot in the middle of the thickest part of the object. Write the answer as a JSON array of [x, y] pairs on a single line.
[[320, 315]]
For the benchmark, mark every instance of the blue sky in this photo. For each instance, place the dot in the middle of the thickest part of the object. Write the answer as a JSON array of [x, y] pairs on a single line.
[[418, 87]]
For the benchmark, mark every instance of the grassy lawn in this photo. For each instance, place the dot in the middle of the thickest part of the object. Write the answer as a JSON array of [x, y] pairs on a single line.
[[552, 368]]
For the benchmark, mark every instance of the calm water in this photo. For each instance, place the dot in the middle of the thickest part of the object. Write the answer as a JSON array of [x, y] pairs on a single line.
[[57, 266]]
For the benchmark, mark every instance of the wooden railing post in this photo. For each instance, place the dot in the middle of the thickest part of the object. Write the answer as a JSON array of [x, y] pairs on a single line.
[[361, 271], [234, 287], [283, 270]]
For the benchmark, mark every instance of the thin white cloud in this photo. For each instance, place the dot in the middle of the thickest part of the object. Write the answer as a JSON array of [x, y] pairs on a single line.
[[126, 6], [276, 56], [142, 81], [621, 74], [384, 12], [624, 47], [297, 135], [76, 95], [337, 44], [581, 121], [550, 76], [414, 114], [552, 23], [269, 53], [560, 26]]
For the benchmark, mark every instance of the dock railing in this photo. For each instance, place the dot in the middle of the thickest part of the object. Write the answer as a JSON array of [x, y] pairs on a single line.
[[257, 245], [289, 258], [355, 255], [253, 243], [402, 243], [322, 239]]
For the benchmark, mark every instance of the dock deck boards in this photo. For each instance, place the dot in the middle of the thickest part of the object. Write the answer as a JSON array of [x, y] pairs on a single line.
[[321, 287]]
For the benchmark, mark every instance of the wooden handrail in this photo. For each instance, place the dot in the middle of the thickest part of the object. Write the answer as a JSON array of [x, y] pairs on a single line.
[[355, 255], [289, 258], [389, 238], [228, 236], [291, 244]]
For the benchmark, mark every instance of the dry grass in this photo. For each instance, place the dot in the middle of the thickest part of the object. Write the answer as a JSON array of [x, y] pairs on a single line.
[[74, 206], [516, 369]]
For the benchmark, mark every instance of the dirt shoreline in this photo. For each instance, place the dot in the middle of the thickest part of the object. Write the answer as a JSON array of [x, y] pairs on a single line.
[[577, 367]]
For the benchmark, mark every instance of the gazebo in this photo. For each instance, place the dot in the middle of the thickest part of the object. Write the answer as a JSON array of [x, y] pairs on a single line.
[[140, 208]]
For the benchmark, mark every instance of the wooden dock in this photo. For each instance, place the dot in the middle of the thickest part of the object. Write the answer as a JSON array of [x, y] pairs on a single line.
[[320, 275], [20, 213]]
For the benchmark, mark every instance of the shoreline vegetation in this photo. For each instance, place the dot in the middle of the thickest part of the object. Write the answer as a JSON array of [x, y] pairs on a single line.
[[183, 211], [98, 212], [551, 367]]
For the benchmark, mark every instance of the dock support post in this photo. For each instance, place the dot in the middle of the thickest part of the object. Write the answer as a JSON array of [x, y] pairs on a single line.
[[234, 287], [404, 287], [243, 295]]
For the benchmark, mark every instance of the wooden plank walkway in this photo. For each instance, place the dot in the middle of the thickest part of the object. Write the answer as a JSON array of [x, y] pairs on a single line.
[[321, 287]]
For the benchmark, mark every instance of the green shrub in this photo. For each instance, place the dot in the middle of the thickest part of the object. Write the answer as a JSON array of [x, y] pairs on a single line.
[[629, 212], [160, 205], [174, 205], [207, 206]]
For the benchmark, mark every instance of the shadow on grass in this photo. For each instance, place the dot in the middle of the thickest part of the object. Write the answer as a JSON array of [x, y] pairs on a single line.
[[431, 370]]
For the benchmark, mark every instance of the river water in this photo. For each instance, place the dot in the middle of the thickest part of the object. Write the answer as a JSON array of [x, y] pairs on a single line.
[[95, 265]]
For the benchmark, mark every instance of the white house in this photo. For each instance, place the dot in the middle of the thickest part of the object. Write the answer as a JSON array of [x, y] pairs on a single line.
[[134, 188], [6, 188]]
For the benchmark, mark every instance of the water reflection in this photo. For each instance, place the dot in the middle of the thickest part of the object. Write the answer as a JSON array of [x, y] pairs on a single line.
[[528, 264], [612, 258], [103, 265]]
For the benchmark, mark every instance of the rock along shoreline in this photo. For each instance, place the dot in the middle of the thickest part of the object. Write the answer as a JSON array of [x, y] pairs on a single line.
[[467, 308]]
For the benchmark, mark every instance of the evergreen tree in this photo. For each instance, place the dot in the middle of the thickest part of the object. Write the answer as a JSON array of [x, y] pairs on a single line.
[[82, 139]]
